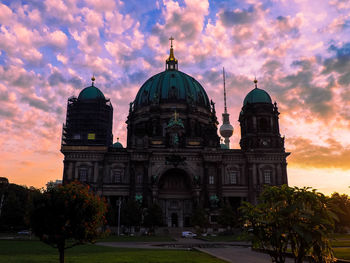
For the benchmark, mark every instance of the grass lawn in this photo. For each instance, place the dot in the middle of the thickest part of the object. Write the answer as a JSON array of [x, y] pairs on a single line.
[[114, 238], [341, 240], [37, 252], [342, 252]]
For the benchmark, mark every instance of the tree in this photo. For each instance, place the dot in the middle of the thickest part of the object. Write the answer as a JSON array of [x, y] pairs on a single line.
[[268, 221], [153, 217], [131, 214], [298, 217], [340, 205], [200, 219], [68, 215], [227, 217], [16, 204], [312, 224]]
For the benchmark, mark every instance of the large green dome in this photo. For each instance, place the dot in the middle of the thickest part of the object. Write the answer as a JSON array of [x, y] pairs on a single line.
[[169, 86], [257, 96], [91, 93]]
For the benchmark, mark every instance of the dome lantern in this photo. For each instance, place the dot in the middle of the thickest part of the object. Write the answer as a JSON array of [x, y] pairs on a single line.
[[171, 62]]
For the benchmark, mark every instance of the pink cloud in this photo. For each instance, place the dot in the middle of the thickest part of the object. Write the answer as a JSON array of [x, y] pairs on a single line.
[[102, 5], [117, 23], [5, 14], [58, 39], [88, 40], [64, 11], [92, 18]]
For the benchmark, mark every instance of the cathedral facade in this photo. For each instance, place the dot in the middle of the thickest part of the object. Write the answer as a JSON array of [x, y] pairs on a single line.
[[173, 154]]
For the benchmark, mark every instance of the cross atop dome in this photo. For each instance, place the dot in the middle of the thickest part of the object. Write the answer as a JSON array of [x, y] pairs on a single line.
[[171, 62]]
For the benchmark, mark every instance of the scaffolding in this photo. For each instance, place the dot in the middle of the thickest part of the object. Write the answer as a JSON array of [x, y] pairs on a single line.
[[88, 122]]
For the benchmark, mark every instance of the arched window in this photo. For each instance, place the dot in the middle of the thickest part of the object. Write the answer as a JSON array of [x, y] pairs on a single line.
[[211, 179], [83, 175], [139, 179], [116, 176], [267, 176], [263, 125], [233, 176], [250, 124]]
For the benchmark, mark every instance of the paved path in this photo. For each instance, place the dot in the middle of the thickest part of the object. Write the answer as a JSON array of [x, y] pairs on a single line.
[[235, 252]]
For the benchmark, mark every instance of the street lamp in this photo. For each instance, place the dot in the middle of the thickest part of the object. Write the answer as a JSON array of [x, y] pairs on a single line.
[[119, 204]]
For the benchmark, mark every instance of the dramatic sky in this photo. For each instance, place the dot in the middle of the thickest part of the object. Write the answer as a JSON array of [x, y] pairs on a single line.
[[298, 50]]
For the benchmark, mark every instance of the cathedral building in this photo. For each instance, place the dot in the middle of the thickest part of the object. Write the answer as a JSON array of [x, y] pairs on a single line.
[[173, 154]]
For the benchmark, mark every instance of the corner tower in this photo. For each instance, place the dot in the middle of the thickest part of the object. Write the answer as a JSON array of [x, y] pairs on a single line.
[[89, 119], [259, 122]]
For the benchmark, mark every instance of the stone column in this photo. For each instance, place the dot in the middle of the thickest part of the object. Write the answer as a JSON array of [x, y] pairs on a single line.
[[279, 174], [255, 128], [205, 186], [95, 172], [219, 180], [76, 175], [145, 183]]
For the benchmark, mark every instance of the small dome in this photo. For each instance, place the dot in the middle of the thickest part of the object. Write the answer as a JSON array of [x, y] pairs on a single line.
[[257, 96], [117, 145], [91, 93], [226, 130], [223, 146]]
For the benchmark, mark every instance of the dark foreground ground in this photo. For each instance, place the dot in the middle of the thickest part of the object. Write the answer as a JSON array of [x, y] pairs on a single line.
[[159, 249]]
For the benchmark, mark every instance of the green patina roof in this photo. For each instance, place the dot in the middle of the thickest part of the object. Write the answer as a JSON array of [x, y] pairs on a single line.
[[91, 93], [173, 122], [223, 146], [172, 85], [257, 96], [118, 145]]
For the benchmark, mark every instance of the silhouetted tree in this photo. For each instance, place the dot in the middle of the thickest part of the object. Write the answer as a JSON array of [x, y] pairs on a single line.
[[200, 219], [16, 204], [131, 214], [227, 216], [340, 205], [298, 217], [68, 215], [153, 217]]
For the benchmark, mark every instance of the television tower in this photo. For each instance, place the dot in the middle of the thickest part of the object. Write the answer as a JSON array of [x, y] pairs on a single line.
[[226, 129]]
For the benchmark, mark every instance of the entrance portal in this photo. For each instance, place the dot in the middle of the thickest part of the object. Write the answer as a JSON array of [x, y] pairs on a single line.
[[187, 221], [175, 195], [174, 222]]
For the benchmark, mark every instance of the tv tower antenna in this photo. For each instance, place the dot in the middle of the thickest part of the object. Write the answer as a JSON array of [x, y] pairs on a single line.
[[226, 129]]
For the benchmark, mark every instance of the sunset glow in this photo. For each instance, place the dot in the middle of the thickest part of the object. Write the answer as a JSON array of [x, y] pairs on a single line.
[[298, 50]]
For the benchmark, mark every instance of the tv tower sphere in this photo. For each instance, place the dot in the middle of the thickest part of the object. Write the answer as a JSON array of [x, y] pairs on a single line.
[[226, 130]]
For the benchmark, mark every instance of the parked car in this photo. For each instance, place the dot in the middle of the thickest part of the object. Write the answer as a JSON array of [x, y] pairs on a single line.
[[24, 232], [188, 234]]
